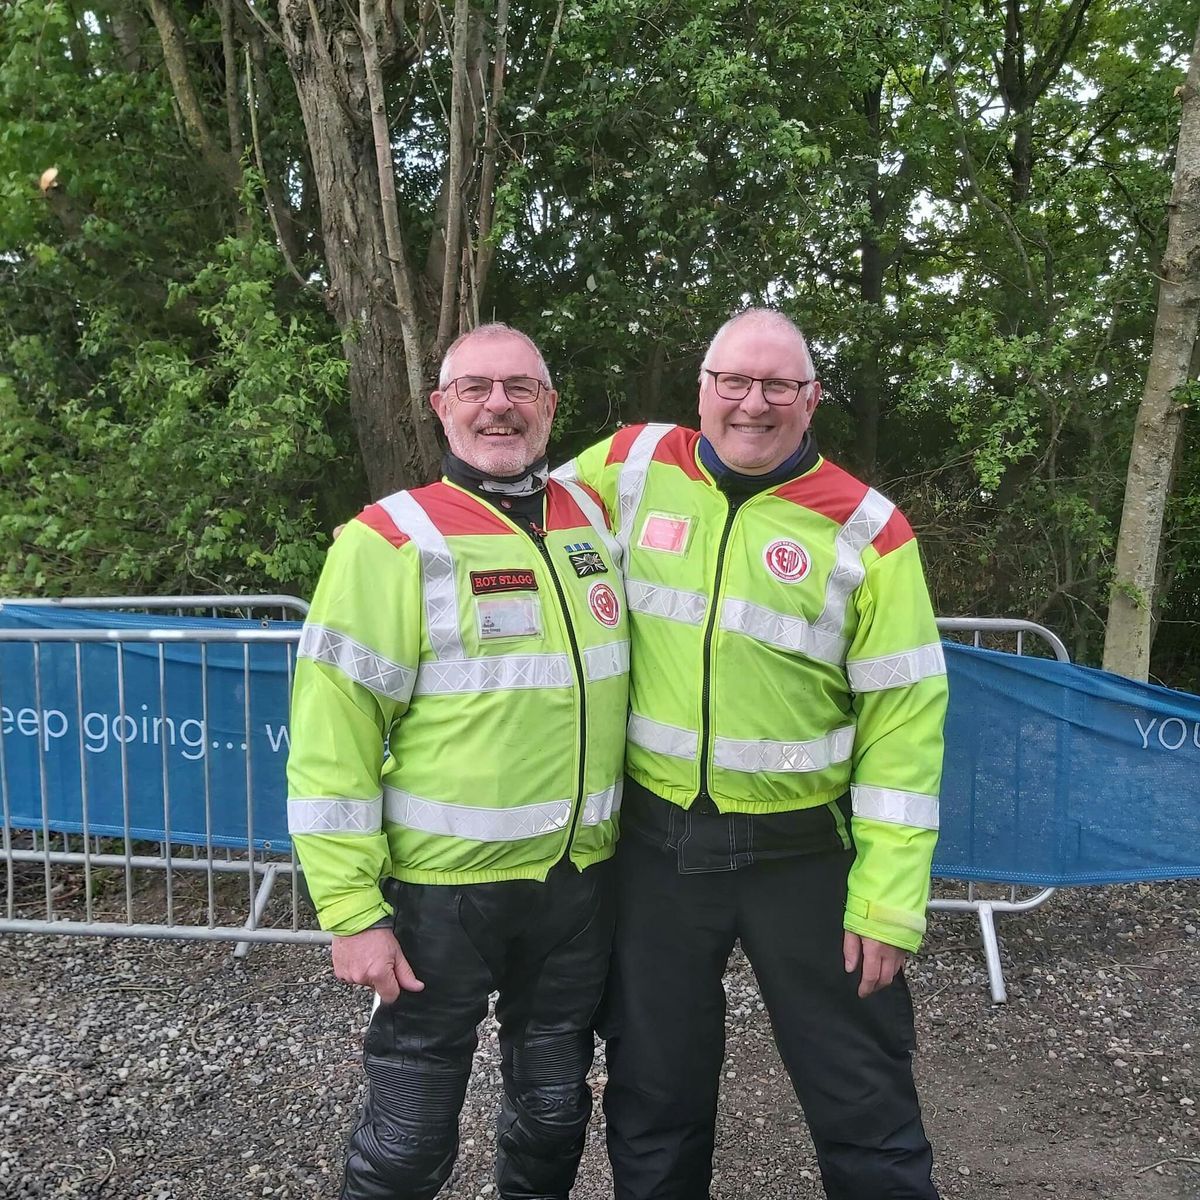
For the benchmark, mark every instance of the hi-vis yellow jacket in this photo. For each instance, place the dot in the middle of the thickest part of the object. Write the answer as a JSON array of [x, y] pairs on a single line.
[[784, 651], [460, 699]]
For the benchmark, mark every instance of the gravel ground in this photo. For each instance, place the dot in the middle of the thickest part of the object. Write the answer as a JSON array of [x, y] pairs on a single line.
[[169, 1071]]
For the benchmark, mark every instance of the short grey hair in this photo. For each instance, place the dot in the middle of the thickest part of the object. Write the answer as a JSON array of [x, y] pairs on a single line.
[[493, 329], [760, 318]]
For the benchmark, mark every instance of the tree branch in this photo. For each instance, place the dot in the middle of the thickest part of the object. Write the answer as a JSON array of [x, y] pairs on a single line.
[[487, 182], [271, 200], [218, 160], [551, 46], [229, 50], [397, 259], [454, 199]]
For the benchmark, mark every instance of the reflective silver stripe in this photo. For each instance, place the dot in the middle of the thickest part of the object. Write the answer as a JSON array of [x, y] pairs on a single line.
[[892, 805], [595, 518], [863, 527], [631, 482], [334, 814], [476, 824], [357, 662], [896, 670], [437, 573], [566, 473], [599, 806], [779, 629], [603, 662], [662, 739], [672, 603], [499, 672], [816, 755]]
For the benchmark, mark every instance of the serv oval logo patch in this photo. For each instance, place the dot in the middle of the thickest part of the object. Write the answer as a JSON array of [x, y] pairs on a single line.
[[787, 560], [605, 606]]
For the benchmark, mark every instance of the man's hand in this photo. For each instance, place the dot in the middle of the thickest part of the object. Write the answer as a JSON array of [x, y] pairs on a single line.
[[374, 959], [880, 962]]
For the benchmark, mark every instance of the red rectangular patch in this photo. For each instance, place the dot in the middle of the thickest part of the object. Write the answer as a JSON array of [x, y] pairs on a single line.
[[484, 583], [665, 532]]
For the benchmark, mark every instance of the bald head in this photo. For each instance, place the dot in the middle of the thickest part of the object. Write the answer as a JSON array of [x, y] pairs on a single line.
[[484, 333], [760, 320]]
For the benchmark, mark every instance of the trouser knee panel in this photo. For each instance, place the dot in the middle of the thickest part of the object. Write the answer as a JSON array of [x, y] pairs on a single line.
[[407, 1139]]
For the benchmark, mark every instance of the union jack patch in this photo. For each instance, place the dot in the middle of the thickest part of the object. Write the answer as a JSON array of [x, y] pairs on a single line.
[[587, 562]]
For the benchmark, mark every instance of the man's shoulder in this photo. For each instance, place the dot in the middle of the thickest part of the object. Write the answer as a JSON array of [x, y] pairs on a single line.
[[393, 516], [850, 503], [425, 514], [660, 441]]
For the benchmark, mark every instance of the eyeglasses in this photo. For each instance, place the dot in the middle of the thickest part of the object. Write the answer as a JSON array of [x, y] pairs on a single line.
[[779, 392], [475, 389]]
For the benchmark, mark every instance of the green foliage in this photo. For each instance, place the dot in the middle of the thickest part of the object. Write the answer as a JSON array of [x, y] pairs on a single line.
[[965, 216], [168, 403], [175, 471]]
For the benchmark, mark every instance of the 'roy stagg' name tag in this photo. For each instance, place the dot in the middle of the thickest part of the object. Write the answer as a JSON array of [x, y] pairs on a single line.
[[513, 579]]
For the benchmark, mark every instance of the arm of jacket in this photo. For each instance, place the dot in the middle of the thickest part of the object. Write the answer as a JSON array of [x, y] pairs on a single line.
[[355, 671], [591, 467], [897, 674]]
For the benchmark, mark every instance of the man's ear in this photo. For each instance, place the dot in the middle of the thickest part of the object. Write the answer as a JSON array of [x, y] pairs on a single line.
[[815, 397], [438, 402]]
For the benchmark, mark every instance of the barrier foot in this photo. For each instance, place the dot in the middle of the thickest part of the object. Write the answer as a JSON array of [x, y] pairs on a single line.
[[991, 951], [261, 899]]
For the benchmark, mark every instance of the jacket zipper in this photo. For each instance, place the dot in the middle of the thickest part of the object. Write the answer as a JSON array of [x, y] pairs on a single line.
[[704, 803], [539, 540]]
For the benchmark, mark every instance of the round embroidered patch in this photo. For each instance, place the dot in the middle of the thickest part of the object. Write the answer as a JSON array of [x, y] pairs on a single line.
[[605, 606], [787, 560]]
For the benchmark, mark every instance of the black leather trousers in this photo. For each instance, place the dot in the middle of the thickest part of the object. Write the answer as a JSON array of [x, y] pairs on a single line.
[[850, 1060], [544, 947]]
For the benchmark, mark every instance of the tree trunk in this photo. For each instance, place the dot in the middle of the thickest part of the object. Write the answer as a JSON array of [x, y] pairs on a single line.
[[1128, 636], [387, 403]]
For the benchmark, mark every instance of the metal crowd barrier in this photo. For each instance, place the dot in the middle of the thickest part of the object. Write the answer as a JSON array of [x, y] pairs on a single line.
[[90, 883], [124, 886], [998, 633]]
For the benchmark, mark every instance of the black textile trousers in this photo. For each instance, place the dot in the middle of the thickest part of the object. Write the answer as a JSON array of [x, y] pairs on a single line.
[[850, 1060], [545, 948]]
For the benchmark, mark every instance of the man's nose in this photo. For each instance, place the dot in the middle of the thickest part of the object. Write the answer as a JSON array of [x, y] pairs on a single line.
[[497, 401], [754, 402]]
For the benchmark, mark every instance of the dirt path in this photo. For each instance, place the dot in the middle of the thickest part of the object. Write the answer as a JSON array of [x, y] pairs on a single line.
[[165, 1071]]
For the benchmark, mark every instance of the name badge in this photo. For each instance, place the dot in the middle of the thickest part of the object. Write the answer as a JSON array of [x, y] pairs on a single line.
[[512, 616], [516, 580]]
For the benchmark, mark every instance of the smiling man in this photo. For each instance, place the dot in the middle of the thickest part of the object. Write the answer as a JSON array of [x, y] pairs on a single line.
[[784, 757], [457, 729]]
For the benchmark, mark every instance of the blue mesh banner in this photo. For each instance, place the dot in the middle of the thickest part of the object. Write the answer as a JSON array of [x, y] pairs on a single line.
[[1058, 774], [172, 741]]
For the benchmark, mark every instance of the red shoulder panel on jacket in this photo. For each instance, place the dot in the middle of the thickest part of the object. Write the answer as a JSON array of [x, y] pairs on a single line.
[[375, 517], [622, 440], [455, 513], [679, 449], [894, 534], [561, 510], [829, 490]]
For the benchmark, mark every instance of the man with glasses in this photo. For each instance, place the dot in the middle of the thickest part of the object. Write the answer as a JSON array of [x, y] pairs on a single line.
[[783, 764], [457, 739]]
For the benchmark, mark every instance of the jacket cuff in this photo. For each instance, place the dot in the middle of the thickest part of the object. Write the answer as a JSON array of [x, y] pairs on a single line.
[[895, 927], [354, 913]]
